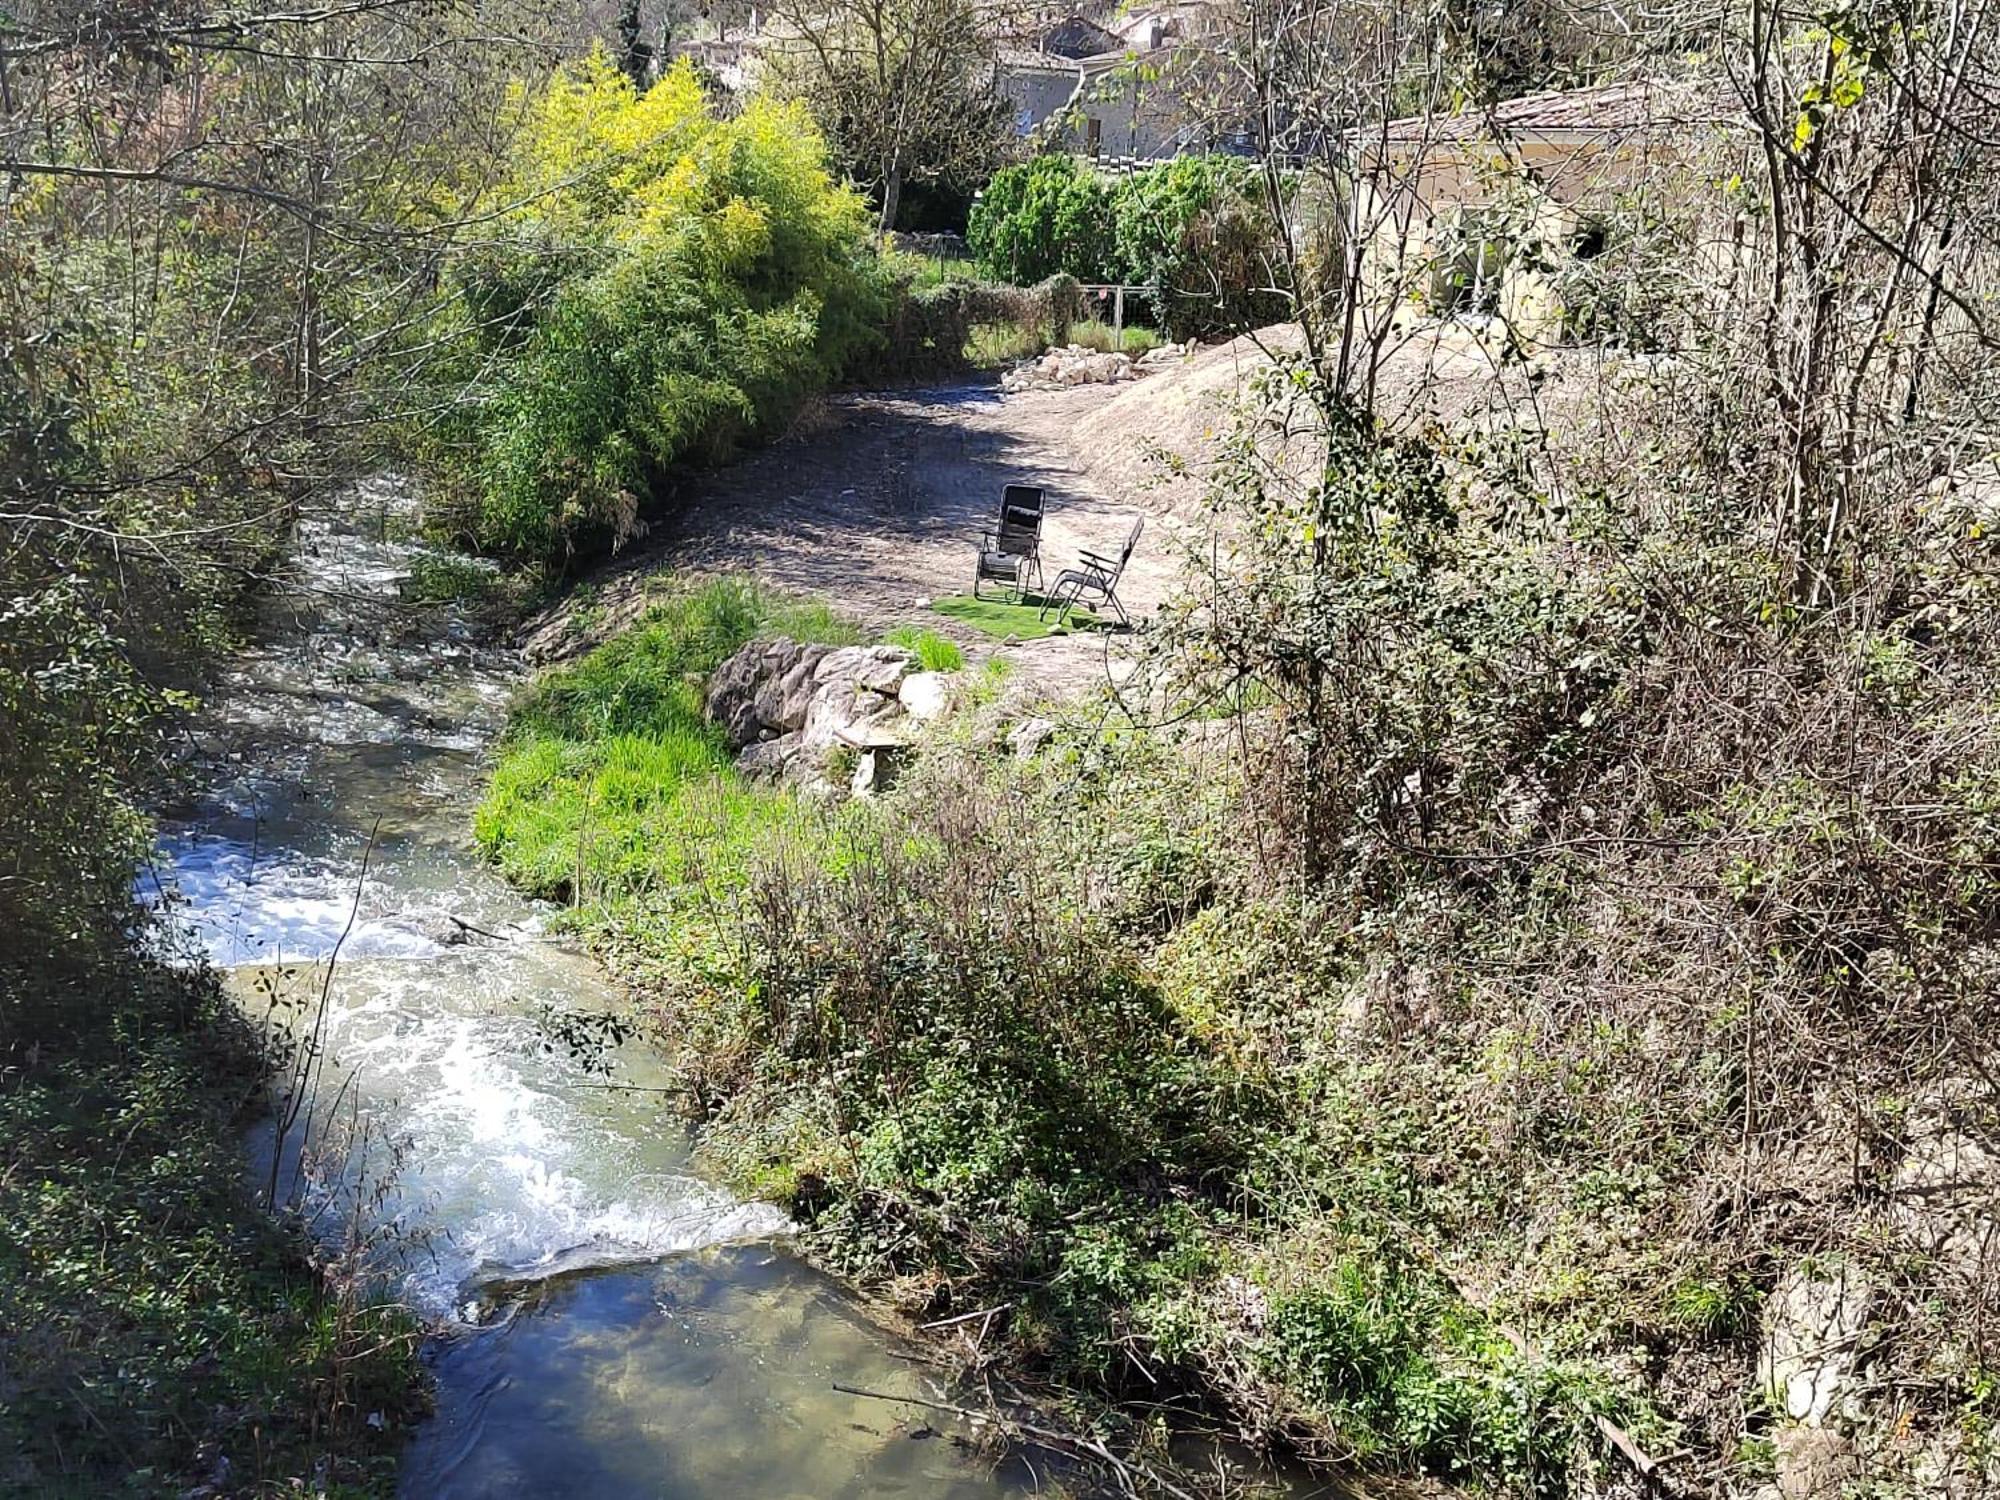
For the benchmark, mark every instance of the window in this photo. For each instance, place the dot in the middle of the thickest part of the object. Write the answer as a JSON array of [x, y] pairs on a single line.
[[1093, 135]]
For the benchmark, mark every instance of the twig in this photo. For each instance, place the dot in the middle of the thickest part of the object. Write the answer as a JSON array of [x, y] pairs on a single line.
[[984, 1312], [1125, 1467]]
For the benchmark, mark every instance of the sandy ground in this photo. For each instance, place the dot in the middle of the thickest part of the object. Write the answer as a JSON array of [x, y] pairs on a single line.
[[876, 500]]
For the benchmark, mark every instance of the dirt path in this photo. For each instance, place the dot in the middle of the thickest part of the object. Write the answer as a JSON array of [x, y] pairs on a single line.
[[878, 502]]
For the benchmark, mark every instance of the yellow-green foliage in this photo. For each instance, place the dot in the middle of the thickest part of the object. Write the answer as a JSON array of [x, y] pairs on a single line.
[[668, 284]]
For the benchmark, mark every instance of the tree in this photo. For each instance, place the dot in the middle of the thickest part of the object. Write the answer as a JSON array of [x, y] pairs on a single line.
[[905, 90], [220, 243], [1052, 214]]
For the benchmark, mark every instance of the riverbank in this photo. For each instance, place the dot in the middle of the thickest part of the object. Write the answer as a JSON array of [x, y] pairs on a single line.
[[1406, 1023], [161, 1333], [983, 1038]]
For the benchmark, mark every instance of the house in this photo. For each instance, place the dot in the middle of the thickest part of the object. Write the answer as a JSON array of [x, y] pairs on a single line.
[[1111, 93], [1488, 212]]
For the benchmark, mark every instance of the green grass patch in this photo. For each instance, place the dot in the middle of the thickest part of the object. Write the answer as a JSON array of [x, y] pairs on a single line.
[[1093, 334], [1001, 620], [935, 652], [611, 780]]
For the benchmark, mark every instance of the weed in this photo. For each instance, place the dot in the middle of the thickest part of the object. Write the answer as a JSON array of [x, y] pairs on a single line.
[[935, 653], [993, 344], [1098, 335]]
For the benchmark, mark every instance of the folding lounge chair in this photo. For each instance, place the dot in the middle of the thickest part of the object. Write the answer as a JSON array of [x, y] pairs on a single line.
[[1010, 552], [1094, 581]]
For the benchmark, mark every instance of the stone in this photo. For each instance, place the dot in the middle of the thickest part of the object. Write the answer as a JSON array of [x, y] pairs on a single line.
[[1948, 1178], [1815, 1463], [1028, 736], [880, 669], [775, 688], [772, 758], [1813, 1324], [925, 695], [875, 771]]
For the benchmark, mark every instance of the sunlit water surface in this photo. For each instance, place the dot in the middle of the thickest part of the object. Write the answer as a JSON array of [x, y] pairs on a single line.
[[612, 1325]]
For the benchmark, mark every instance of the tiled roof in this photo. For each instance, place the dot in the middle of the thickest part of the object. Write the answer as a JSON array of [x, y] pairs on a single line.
[[1608, 109]]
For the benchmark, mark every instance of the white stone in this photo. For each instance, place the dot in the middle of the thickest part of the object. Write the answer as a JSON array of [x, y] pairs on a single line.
[[1812, 1330], [926, 695]]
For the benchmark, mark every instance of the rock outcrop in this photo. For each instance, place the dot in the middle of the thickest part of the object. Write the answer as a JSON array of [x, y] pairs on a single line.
[[786, 705]]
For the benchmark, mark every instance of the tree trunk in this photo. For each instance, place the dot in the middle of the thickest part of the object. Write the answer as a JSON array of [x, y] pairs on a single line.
[[892, 193]]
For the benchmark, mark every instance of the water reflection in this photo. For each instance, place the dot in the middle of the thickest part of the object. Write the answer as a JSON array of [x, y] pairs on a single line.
[[709, 1375]]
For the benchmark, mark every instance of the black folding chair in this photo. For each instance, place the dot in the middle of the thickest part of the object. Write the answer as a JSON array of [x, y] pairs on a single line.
[[1010, 552], [1093, 580]]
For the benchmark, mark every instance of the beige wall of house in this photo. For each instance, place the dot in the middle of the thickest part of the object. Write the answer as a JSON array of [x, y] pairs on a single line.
[[1475, 227], [1116, 115]]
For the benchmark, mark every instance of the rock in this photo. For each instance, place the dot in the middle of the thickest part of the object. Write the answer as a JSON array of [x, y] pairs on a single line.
[[770, 758], [842, 714], [1071, 365], [1029, 735], [745, 693], [880, 669], [1815, 1463], [875, 771], [1813, 1325], [777, 687], [925, 695]]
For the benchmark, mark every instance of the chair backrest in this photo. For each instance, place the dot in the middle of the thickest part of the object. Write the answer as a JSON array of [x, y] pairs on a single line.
[[1024, 499], [1125, 552], [1020, 538]]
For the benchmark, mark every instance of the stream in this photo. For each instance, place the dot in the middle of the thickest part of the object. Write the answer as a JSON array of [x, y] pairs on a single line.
[[609, 1323]]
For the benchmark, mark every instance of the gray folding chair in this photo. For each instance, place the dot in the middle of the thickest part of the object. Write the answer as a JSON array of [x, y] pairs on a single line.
[[1093, 581]]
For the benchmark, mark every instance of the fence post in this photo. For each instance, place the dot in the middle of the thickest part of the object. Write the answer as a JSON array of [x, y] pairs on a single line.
[[1118, 320]]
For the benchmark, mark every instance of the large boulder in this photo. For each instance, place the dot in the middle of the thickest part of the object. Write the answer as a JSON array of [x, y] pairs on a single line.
[[784, 704], [764, 690]]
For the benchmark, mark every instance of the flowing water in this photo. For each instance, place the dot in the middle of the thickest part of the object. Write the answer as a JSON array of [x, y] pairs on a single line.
[[611, 1324]]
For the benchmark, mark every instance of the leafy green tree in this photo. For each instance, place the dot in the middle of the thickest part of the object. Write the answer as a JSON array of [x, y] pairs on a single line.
[[673, 282], [1047, 216], [1199, 230]]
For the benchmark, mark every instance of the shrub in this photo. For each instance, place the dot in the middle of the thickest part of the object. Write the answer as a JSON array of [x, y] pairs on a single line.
[[1093, 334], [677, 283], [937, 329], [1198, 229], [1049, 215]]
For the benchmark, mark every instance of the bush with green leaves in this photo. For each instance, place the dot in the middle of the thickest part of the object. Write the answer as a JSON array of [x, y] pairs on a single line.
[[676, 283], [1200, 231], [1197, 228], [1050, 215]]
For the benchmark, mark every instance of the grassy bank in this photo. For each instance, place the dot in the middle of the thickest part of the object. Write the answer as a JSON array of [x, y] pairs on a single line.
[[1025, 1036], [158, 1329]]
